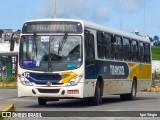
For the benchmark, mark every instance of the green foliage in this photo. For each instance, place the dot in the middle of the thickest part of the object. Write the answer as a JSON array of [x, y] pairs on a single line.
[[1, 118], [156, 38], [11, 79], [0, 78], [1, 31], [155, 53], [156, 76]]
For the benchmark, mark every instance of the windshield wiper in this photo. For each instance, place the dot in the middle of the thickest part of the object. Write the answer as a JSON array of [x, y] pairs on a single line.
[[61, 44]]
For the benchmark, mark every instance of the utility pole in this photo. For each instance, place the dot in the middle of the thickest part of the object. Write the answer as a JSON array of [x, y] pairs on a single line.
[[120, 14], [54, 8], [144, 16]]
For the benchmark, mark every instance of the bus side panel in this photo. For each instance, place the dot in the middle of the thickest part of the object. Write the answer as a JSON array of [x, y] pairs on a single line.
[[89, 87], [115, 75], [143, 74], [112, 70], [144, 77], [89, 81], [143, 84], [116, 87], [141, 71]]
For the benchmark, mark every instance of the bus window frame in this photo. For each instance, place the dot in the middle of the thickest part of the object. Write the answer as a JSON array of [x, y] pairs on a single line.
[[100, 45], [109, 47], [141, 53], [119, 48], [89, 46], [134, 52], [129, 50], [147, 54]]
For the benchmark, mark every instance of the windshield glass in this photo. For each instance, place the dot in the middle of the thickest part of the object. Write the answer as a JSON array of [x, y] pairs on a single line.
[[50, 53]]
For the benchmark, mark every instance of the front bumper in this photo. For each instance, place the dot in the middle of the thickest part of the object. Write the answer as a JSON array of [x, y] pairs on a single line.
[[52, 91]]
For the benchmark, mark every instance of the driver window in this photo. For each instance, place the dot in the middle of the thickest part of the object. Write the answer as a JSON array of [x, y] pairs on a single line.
[[89, 48]]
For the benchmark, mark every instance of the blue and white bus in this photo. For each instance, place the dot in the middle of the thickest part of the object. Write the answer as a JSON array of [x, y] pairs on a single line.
[[66, 58]]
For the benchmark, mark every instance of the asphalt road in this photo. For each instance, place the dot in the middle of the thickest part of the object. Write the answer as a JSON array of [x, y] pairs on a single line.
[[145, 101]]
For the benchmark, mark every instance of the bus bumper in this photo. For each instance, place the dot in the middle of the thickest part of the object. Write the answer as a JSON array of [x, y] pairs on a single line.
[[53, 92]]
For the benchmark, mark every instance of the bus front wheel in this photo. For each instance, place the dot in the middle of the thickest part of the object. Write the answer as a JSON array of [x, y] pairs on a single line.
[[98, 95]]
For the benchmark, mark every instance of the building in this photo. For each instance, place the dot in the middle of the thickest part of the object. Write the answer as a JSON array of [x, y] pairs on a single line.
[[9, 45], [155, 66]]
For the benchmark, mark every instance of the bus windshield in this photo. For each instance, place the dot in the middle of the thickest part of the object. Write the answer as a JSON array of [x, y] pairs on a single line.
[[50, 53]]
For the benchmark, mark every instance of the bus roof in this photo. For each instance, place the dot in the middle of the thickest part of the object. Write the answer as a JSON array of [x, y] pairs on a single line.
[[116, 32], [100, 27]]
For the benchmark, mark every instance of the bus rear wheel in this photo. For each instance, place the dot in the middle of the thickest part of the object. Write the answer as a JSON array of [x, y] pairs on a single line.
[[97, 96], [41, 101], [132, 95]]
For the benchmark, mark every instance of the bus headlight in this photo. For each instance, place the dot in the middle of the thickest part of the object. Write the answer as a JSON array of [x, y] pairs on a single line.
[[24, 81], [74, 81]]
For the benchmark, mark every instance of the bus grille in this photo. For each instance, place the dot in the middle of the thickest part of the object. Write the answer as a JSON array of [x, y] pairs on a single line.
[[46, 83], [39, 76], [48, 90], [43, 78]]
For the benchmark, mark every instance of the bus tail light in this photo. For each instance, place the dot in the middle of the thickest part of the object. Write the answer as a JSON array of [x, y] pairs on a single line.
[[24, 81], [74, 81]]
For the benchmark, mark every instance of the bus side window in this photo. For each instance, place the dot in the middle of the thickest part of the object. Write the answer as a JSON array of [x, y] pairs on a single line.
[[135, 51], [118, 47], [108, 45], [126, 49], [89, 48], [141, 52], [147, 53], [100, 45]]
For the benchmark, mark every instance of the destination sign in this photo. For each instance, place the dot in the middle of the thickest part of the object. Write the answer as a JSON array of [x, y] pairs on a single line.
[[52, 27]]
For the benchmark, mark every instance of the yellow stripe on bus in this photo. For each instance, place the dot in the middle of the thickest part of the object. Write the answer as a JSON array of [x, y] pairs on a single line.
[[67, 76], [131, 64], [141, 71]]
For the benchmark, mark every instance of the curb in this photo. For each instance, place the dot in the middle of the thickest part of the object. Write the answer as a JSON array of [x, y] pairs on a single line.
[[8, 85], [10, 107]]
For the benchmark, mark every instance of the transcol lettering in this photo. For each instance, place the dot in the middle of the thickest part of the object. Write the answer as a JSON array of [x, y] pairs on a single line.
[[117, 70]]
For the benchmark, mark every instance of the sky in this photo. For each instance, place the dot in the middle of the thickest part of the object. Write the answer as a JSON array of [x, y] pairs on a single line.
[[126, 15]]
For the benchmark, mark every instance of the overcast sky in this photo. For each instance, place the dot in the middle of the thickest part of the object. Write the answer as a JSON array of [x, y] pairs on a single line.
[[105, 12]]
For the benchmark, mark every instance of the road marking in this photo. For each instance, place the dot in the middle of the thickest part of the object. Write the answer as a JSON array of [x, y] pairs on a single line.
[[22, 100]]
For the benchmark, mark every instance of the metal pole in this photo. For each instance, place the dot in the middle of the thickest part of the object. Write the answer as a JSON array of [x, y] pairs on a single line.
[[144, 20], [54, 8], [120, 14]]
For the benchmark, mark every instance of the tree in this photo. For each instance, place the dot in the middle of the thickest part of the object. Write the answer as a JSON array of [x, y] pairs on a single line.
[[1, 31], [156, 40]]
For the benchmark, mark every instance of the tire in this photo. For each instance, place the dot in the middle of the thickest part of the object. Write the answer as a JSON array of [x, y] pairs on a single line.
[[41, 101], [97, 99], [123, 96], [132, 95]]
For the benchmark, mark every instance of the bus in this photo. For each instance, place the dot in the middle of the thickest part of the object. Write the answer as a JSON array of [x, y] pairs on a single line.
[[67, 59]]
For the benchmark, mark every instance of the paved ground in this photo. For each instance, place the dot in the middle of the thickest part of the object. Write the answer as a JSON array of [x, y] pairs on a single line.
[[5, 105], [146, 101]]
